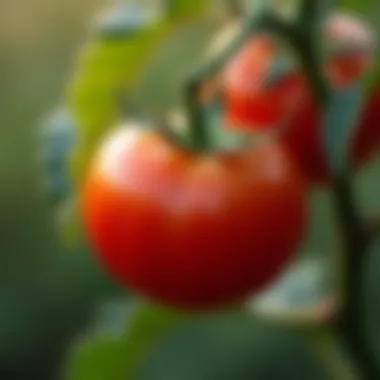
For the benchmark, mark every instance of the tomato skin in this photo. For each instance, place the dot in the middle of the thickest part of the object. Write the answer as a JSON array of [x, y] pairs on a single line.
[[249, 101], [190, 231]]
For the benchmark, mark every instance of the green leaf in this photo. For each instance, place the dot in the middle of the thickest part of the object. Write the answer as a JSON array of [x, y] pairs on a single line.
[[339, 122], [111, 67], [188, 8], [355, 5], [161, 86], [332, 352], [106, 69], [303, 285], [127, 18], [372, 77], [227, 346], [68, 222], [114, 349]]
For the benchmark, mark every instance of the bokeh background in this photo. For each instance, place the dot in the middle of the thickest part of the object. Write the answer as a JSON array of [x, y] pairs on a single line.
[[48, 293]]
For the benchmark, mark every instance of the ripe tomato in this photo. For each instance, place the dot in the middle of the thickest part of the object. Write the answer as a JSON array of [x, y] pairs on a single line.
[[187, 230], [252, 105], [249, 101]]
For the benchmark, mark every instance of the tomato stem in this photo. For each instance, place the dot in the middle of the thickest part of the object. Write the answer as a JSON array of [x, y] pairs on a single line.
[[200, 139], [258, 19], [350, 322], [306, 41]]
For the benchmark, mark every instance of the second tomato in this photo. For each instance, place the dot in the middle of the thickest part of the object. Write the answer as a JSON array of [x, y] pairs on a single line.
[[255, 105]]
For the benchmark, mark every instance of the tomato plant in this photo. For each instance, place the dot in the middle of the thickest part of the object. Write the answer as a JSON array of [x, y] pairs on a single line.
[[208, 219], [253, 103], [190, 230]]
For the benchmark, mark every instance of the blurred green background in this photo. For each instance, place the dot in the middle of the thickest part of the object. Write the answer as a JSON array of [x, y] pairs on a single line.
[[47, 295]]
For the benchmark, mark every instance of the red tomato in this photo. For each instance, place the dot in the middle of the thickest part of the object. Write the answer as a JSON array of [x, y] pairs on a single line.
[[192, 231], [256, 107], [248, 99]]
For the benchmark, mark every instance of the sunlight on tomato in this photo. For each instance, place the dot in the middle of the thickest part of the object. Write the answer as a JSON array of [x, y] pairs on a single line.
[[187, 230]]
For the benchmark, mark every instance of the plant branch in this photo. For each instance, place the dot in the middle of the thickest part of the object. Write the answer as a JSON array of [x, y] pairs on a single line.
[[308, 48], [258, 19], [331, 350], [371, 226], [350, 324]]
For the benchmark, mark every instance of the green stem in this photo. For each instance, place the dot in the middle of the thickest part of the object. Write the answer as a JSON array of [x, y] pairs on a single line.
[[199, 134], [200, 139], [258, 19], [307, 45], [351, 322], [312, 68], [332, 351]]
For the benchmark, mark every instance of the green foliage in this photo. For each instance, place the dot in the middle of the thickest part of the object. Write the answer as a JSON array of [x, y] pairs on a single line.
[[306, 283], [68, 220], [187, 8], [339, 121], [131, 340], [354, 5], [228, 346], [114, 351], [106, 69], [160, 89]]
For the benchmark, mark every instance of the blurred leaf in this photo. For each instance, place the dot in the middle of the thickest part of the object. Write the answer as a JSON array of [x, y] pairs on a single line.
[[302, 285], [128, 18], [188, 8], [56, 139], [225, 346], [68, 222], [110, 67], [161, 86], [106, 70], [354, 5], [339, 121], [327, 346], [112, 317], [114, 352]]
